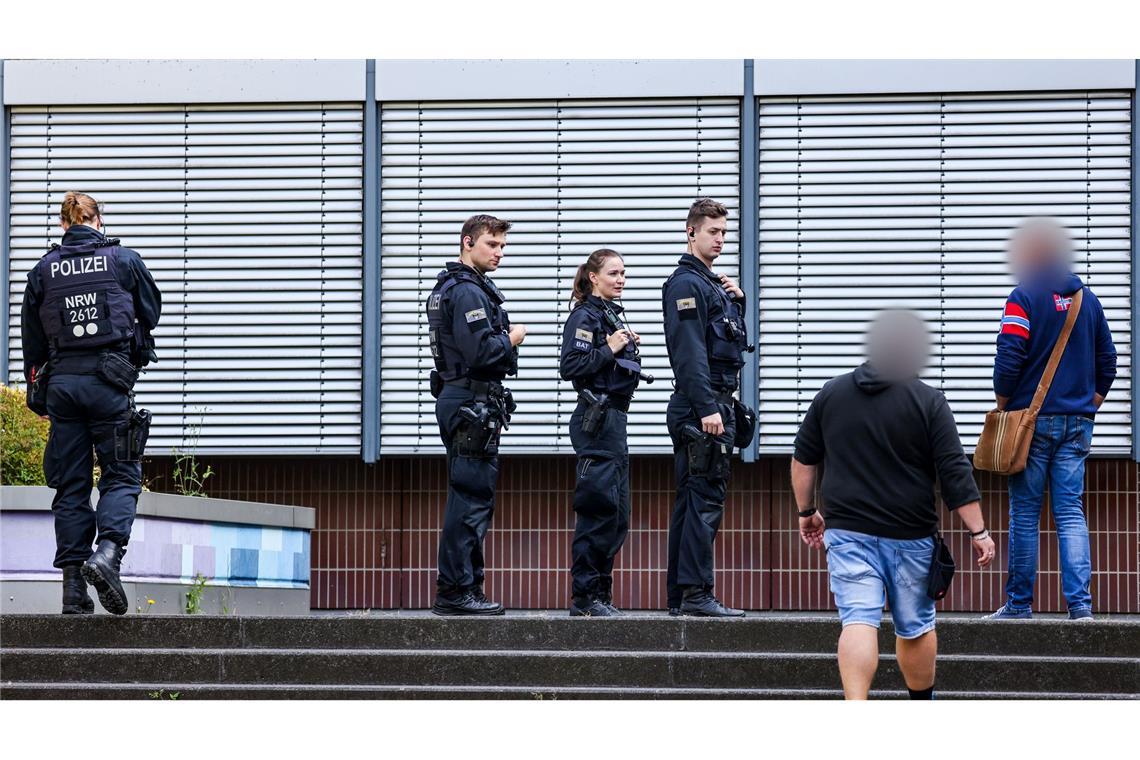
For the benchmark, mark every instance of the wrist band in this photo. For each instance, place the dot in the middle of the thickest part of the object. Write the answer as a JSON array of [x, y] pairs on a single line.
[[807, 512], [983, 533]]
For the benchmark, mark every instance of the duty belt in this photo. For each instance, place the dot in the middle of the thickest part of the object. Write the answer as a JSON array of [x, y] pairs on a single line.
[[621, 403], [723, 395], [478, 387], [82, 364]]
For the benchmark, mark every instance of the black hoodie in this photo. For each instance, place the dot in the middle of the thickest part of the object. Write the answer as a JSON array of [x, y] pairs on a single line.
[[882, 445]]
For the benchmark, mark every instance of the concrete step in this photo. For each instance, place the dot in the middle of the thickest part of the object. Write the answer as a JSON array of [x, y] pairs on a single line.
[[762, 633], [190, 691], [551, 669]]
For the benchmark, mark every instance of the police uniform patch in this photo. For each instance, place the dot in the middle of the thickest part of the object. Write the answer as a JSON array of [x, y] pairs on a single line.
[[475, 315], [686, 303], [583, 334], [434, 302]]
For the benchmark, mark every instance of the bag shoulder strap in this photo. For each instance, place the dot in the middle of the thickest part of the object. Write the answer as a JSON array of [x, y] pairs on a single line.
[[1058, 350]]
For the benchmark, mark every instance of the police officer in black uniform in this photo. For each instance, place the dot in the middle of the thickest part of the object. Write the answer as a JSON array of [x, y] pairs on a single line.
[[705, 337], [89, 308], [474, 346], [599, 354]]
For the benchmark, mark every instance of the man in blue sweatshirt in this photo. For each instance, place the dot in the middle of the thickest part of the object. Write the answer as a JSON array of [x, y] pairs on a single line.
[[1040, 254]]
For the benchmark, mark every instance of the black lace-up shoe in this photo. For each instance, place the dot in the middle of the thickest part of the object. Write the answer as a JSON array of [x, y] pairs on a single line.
[[466, 603], [76, 600], [701, 603], [589, 608], [101, 570]]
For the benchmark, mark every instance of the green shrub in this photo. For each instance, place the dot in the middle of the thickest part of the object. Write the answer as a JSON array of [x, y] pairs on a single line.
[[23, 435]]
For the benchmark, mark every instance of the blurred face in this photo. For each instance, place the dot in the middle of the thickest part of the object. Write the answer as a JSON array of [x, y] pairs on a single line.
[[707, 239], [1035, 250], [898, 345], [486, 252], [610, 280]]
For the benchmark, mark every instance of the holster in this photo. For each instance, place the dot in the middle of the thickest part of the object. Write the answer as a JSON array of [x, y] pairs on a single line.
[[37, 389], [707, 457], [477, 434], [594, 416], [131, 438], [745, 424], [117, 371], [435, 383]]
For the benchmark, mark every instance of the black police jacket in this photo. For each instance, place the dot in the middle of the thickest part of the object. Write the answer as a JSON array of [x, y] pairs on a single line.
[[587, 359], [704, 333], [129, 273], [468, 326]]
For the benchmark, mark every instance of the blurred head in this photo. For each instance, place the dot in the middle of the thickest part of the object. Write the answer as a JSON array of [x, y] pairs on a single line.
[[705, 227], [1039, 243], [80, 208], [898, 345], [481, 242], [602, 274]]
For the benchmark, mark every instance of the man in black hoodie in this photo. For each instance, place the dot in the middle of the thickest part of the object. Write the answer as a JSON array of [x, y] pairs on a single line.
[[884, 437]]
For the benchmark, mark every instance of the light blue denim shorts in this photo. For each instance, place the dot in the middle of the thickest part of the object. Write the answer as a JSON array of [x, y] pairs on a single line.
[[867, 571]]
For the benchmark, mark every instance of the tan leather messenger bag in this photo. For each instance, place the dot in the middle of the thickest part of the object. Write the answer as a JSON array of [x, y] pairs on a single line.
[[1003, 446]]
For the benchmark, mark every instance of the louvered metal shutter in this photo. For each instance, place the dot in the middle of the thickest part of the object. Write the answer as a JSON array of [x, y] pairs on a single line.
[[573, 176], [871, 202], [250, 220]]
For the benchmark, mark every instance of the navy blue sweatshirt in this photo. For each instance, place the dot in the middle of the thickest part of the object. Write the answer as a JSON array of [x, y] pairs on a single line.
[[1034, 315]]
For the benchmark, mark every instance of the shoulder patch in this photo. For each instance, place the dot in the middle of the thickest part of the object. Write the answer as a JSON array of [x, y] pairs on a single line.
[[475, 315], [583, 334], [434, 302], [686, 303]]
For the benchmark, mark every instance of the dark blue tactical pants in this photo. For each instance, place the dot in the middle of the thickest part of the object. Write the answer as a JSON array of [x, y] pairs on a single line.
[[601, 502], [470, 501], [698, 508], [86, 414]]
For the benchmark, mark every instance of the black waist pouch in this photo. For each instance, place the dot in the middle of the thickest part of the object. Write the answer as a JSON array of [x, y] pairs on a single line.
[[37, 389], [745, 425], [435, 383], [941, 569], [117, 371]]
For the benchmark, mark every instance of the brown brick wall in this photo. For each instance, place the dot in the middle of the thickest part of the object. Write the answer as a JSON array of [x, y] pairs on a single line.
[[377, 528]]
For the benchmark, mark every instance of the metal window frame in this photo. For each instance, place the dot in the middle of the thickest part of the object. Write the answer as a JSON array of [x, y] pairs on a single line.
[[370, 375], [749, 250], [5, 228]]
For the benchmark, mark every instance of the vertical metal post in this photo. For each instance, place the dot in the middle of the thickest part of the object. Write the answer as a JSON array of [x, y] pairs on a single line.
[[1135, 273], [5, 228], [749, 248], [370, 401]]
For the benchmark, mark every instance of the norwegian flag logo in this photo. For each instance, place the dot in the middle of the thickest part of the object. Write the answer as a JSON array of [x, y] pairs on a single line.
[[1061, 303]]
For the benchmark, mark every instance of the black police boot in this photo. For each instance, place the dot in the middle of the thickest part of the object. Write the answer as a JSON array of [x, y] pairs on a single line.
[[465, 603], [701, 603], [76, 600], [592, 607], [674, 612], [608, 601], [101, 570]]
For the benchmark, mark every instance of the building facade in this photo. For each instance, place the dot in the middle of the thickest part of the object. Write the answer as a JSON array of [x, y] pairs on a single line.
[[295, 214]]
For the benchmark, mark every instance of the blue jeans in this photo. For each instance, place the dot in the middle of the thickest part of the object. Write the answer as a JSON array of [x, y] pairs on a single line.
[[867, 571], [1057, 460]]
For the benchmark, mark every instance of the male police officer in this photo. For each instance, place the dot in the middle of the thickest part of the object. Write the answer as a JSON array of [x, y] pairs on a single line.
[[88, 311], [705, 336], [474, 346]]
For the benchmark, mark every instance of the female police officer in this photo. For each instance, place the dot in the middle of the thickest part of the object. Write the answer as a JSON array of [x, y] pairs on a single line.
[[88, 311], [599, 355]]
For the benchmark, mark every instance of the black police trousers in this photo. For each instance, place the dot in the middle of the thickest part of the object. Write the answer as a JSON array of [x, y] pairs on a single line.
[[601, 503], [698, 508], [470, 501], [87, 414]]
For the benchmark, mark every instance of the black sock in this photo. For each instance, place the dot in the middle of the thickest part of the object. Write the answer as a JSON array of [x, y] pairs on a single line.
[[921, 693]]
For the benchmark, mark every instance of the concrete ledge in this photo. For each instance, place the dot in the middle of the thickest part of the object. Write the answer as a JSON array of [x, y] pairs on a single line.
[[36, 596], [152, 504]]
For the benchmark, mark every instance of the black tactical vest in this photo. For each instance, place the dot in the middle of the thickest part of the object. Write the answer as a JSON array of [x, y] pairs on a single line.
[[84, 307], [620, 378], [444, 349], [726, 337]]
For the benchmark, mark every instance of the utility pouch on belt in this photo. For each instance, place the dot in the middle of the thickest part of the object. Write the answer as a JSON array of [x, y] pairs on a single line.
[[435, 384], [37, 389], [708, 458], [477, 434], [596, 407], [745, 424], [117, 371], [130, 439]]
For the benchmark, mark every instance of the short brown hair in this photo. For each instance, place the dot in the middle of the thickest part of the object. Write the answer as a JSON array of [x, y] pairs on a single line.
[[479, 224], [705, 208], [79, 208]]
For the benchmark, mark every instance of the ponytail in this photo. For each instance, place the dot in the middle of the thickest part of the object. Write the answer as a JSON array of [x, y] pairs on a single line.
[[593, 264], [79, 208]]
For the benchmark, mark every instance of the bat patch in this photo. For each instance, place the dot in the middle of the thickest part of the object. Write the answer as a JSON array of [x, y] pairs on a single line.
[[686, 303], [583, 334], [475, 315]]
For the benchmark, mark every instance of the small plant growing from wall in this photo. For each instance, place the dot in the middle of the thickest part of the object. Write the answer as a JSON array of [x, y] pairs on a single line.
[[194, 595], [189, 479]]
